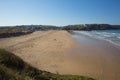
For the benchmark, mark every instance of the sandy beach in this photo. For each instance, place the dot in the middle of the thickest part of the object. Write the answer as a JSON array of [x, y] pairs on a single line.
[[45, 50], [58, 52]]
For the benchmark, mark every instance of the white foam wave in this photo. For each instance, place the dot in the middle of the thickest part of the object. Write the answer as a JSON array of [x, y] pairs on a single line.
[[113, 38]]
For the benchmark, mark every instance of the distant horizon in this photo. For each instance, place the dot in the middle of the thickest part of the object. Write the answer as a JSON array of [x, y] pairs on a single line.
[[59, 12], [53, 25]]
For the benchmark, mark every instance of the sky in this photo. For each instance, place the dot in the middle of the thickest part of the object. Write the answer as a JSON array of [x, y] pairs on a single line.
[[59, 12]]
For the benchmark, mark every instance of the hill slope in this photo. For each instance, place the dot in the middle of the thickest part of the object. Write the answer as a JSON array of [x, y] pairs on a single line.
[[14, 68]]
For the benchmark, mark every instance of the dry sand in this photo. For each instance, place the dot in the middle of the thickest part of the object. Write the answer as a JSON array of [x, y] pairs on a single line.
[[57, 52], [45, 50]]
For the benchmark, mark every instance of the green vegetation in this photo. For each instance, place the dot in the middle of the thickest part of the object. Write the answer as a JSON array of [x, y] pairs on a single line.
[[89, 27], [75, 27], [14, 68], [10, 32]]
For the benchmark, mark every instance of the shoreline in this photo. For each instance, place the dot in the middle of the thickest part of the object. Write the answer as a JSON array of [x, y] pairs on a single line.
[[98, 55], [99, 38]]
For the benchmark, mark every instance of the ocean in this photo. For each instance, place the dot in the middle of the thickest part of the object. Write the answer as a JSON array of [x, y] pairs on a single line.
[[112, 36]]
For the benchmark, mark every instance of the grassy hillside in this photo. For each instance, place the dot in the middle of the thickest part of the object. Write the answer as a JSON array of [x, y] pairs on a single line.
[[14, 68], [12, 32]]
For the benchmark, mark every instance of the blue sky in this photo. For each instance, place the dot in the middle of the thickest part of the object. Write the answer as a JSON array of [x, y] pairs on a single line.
[[59, 12]]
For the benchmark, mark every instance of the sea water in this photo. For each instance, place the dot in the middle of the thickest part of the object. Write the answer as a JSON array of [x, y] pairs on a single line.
[[113, 36]]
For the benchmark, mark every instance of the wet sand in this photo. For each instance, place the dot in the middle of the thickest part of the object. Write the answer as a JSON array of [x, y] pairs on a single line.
[[97, 58], [58, 52]]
